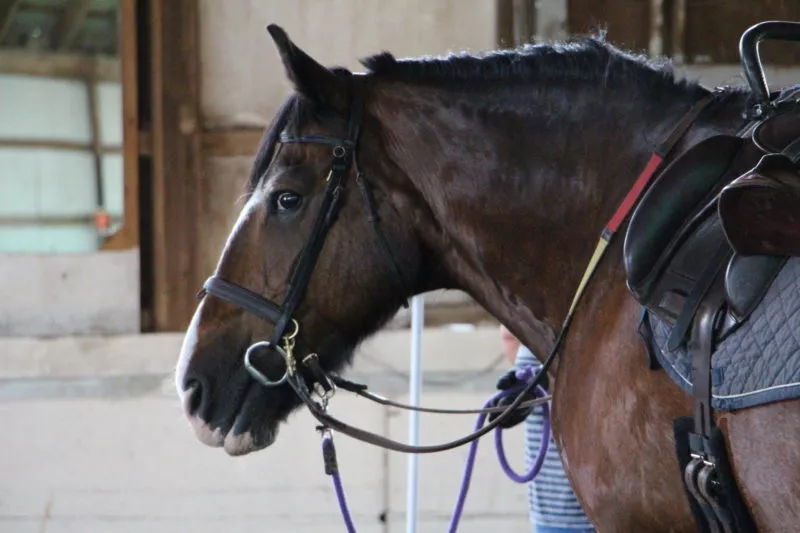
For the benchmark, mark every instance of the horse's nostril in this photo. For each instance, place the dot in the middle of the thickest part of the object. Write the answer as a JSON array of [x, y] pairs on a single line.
[[194, 396]]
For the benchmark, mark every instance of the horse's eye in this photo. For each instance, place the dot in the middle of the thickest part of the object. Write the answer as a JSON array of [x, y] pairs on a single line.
[[288, 201]]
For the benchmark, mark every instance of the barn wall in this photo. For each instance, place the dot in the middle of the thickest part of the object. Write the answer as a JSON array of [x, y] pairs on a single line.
[[48, 295], [48, 194], [53, 280], [242, 77], [243, 82]]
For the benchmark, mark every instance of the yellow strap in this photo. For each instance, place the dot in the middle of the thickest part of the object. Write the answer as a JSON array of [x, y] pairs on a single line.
[[602, 244]]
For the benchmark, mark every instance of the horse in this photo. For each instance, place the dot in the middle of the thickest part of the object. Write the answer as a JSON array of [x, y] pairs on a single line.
[[490, 174]]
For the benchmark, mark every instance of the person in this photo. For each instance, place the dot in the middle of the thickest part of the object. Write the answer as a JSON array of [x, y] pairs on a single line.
[[553, 506]]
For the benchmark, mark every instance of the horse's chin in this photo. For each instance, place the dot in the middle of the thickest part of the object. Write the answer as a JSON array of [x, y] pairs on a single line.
[[236, 442], [245, 443]]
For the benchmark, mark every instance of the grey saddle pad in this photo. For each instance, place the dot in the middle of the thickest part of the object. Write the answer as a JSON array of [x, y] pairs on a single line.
[[760, 361]]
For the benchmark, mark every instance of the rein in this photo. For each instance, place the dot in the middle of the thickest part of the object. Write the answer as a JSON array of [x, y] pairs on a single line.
[[524, 375]]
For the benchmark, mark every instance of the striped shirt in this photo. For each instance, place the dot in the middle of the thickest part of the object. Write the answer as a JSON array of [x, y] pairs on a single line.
[[550, 497]]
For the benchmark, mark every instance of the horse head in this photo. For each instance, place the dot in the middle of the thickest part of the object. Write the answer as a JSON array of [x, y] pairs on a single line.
[[315, 242]]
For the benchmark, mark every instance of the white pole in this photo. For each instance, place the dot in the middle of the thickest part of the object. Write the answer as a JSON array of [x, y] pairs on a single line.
[[414, 388]]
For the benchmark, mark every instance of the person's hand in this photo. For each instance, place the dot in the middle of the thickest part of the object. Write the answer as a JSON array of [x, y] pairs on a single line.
[[505, 382]]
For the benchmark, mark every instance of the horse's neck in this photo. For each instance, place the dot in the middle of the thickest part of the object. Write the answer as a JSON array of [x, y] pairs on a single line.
[[515, 200]]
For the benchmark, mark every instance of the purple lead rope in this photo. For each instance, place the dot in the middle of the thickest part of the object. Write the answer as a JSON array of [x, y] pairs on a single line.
[[332, 469], [524, 375]]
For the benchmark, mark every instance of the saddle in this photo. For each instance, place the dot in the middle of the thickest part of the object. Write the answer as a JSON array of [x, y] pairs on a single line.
[[703, 246], [723, 208]]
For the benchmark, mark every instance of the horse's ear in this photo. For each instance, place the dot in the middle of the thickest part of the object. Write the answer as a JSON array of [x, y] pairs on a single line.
[[309, 78]]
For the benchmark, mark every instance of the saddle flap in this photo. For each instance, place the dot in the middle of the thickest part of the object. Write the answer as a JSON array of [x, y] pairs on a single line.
[[669, 204], [746, 278], [760, 210]]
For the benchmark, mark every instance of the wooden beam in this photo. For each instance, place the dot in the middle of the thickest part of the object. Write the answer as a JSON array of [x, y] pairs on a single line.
[[524, 21], [656, 44], [96, 12], [678, 31], [94, 134], [49, 144], [177, 191], [69, 24], [52, 65], [8, 8], [232, 142], [504, 29], [54, 220], [145, 143], [127, 237]]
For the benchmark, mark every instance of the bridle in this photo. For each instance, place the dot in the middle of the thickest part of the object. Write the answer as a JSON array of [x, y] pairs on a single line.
[[282, 340]]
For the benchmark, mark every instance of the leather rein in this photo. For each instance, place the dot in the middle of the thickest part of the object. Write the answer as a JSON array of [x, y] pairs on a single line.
[[282, 341]]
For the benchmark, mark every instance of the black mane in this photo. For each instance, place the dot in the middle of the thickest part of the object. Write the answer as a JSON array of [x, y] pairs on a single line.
[[580, 58]]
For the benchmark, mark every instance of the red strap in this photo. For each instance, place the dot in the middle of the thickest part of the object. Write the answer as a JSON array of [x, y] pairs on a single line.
[[633, 194]]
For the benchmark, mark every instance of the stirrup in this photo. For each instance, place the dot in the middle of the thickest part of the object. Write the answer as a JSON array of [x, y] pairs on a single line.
[[690, 478]]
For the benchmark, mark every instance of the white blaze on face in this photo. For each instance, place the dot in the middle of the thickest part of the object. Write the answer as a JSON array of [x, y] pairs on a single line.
[[190, 339], [187, 349]]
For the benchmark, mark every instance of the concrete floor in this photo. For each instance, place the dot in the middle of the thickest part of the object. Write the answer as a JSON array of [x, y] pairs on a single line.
[[94, 441]]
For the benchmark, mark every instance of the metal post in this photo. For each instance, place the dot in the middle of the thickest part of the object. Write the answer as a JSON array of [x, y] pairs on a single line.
[[414, 389]]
